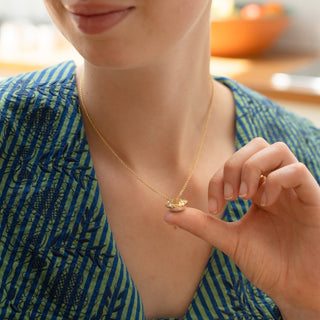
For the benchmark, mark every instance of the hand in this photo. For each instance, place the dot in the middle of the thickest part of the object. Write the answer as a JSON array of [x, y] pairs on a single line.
[[277, 242]]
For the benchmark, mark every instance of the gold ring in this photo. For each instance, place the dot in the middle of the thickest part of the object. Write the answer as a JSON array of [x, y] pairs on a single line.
[[262, 179]]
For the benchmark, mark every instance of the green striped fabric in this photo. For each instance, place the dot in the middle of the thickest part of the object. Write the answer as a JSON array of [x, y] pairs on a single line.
[[58, 258]]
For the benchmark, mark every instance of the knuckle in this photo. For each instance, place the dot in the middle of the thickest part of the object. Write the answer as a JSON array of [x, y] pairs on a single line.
[[250, 165], [300, 168], [231, 165], [281, 147], [260, 142]]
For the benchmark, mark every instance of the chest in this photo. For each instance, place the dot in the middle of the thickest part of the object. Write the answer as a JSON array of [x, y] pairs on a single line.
[[166, 263]]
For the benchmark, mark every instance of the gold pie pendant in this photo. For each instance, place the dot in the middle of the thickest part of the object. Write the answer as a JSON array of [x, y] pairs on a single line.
[[176, 204]]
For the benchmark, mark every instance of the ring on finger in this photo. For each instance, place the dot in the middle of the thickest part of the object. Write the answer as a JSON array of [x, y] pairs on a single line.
[[262, 179]]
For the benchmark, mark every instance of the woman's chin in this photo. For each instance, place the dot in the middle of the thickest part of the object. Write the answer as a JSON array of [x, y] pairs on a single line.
[[116, 61]]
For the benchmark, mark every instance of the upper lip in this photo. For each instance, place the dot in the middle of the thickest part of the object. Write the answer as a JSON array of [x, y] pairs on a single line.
[[83, 9]]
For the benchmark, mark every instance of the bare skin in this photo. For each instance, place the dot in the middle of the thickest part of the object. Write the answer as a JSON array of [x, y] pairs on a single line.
[[276, 243], [166, 263], [146, 85]]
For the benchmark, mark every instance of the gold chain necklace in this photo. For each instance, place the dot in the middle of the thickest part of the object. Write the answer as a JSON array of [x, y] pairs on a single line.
[[176, 204]]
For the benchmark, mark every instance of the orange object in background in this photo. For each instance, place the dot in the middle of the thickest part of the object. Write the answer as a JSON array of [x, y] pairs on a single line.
[[257, 11], [237, 37], [273, 9], [251, 11]]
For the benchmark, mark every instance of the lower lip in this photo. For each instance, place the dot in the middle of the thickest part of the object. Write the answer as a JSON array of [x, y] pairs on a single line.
[[96, 24]]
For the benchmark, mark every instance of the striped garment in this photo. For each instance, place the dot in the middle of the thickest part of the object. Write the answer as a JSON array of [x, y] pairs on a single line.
[[58, 258]]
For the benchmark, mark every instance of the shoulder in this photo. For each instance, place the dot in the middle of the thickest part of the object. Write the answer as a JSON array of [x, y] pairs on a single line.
[[249, 102], [24, 90], [35, 98], [18, 89], [258, 116]]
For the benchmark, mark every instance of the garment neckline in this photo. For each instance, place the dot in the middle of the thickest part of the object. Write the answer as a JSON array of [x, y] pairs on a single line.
[[238, 113]]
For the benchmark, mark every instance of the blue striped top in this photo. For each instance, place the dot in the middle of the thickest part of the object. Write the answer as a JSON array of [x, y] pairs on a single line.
[[58, 257]]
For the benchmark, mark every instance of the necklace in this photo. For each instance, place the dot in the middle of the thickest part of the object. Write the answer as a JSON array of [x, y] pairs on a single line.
[[176, 204]]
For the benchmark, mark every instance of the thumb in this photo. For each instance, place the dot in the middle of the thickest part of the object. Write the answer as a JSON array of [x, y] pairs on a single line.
[[220, 234]]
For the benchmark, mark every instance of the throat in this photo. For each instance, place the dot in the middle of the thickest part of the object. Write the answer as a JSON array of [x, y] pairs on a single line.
[[139, 124]]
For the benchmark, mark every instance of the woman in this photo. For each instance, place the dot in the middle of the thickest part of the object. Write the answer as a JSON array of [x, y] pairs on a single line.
[[156, 126]]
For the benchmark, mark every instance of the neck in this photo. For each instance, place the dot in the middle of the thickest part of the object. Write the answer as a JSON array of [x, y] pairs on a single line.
[[136, 109]]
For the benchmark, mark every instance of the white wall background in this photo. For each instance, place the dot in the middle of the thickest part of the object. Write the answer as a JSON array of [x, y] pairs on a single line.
[[22, 9], [302, 35], [304, 31]]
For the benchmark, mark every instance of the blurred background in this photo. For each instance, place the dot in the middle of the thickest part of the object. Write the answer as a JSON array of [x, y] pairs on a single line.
[[303, 34], [275, 46]]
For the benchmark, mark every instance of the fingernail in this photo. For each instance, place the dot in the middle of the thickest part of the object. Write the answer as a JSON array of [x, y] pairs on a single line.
[[228, 191], [243, 189], [212, 205], [263, 201], [167, 217]]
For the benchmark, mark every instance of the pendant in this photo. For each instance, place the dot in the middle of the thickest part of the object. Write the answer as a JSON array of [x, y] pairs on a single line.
[[176, 204]]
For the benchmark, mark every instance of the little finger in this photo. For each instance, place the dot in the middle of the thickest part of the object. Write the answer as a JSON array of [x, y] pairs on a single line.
[[295, 176]]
